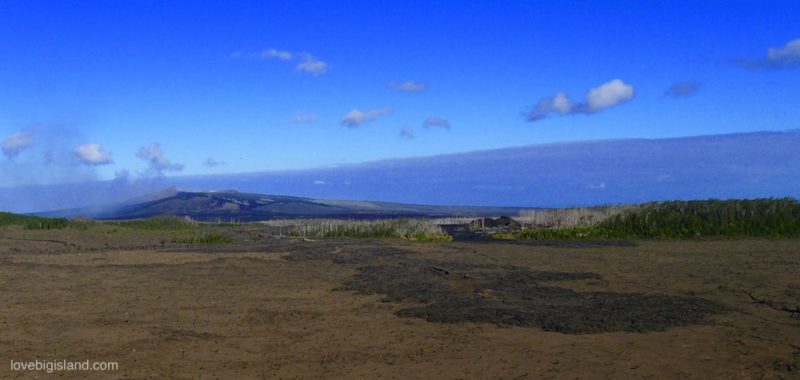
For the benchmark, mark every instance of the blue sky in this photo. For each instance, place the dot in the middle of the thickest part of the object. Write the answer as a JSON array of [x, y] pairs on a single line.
[[93, 90]]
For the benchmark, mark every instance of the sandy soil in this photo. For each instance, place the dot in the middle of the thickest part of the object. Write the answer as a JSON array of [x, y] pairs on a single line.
[[284, 309]]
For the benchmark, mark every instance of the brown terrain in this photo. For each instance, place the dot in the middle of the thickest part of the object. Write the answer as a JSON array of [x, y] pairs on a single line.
[[296, 308]]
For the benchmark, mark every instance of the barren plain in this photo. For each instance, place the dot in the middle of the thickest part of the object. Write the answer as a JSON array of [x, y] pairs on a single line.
[[263, 307]]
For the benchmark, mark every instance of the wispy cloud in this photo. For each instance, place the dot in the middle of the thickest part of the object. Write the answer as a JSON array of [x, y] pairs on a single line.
[[92, 154], [210, 162], [304, 118], [154, 156], [437, 122], [16, 142], [311, 65], [276, 54], [602, 97], [407, 133], [307, 63], [409, 86], [777, 57], [357, 118], [683, 89]]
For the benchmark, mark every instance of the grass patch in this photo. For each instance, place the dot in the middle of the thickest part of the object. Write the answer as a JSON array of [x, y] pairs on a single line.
[[409, 229], [775, 218], [33, 222], [159, 223]]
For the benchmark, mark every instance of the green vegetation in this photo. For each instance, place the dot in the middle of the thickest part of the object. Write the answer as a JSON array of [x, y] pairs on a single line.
[[158, 223], [687, 220], [773, 218], [409, 229], [32, 222]]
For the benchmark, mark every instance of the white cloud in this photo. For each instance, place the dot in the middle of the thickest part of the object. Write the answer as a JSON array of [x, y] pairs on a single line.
[[433, 121], [92, 154], [407, 133], [409, 86], [304, 118], [789, 54], [276, 54], [607, 95], [311, 65], [558, 103], [16, 142], [320, 182], [154, 156], [356, 118], [561, 103], [307, 63], [777, 57]]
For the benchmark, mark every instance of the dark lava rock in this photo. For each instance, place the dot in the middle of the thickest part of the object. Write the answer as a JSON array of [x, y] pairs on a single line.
[[516, 297]]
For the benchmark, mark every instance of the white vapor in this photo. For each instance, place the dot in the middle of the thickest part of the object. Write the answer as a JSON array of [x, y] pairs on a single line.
[[276, 54], [92, 154], [777, 57], [154, 156], [16, 142], [788, 55], [307, 63], [356, 118], [409, 86], [605, 96], [304, 118], [311, 65], [608, 95]]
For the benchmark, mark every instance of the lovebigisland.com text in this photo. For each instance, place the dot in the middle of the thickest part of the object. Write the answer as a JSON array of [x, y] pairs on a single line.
[[51, 366]]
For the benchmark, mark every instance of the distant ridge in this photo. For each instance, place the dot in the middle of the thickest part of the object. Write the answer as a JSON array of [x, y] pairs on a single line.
[[232, 204]]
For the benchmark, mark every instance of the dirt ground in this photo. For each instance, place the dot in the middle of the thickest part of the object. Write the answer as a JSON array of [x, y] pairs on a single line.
[[293, 308]]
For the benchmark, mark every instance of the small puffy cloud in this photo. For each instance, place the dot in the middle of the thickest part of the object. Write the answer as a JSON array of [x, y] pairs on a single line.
[[92, 154], [777, 57], [16, 142], [319, 182], [604, 96], [789, 54], [407, 133], [433, 121], [356, 118], [304, 118], [210, 162], [683, 89], [608, 95], [154, 156], [276, 54], [409, 86], [557, 104], [311, 65]]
